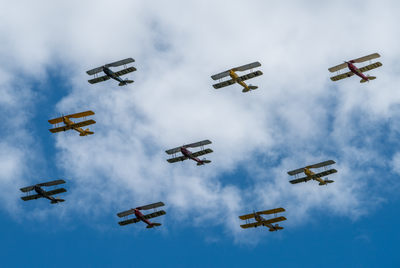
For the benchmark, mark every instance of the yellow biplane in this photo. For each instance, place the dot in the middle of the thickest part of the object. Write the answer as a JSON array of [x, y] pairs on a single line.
[[260, 221], [69, 124], [313, 176], [236, 78]]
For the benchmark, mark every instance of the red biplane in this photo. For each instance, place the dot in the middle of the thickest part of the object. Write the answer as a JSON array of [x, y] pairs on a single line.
[[141, 217], [188, 154], [356, 71]]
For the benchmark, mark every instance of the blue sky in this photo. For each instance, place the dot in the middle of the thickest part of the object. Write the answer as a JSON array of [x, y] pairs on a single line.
[[296, 117]]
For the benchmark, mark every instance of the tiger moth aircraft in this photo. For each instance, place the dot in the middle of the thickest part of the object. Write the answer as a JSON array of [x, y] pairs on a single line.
[[235, 78], [69, 124], [356, 71], [311, 175], [188, 154], [260, 221], [141, 217], [110, 74], [40, 193]]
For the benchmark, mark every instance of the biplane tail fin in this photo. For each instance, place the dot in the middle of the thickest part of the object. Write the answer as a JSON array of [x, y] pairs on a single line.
[[326, 182], [369, 78], [125, 82], [57, 200], [153, 225]]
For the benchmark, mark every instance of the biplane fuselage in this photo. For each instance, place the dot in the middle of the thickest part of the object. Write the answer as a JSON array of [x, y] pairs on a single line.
[[309, 173], [112, 75], [235, 77], [356, 71], [271, 227], [139, 215], [189, 155], [42, 193], [82, 132]]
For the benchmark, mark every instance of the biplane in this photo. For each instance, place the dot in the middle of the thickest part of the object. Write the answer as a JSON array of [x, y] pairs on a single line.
[[260, 221], [188, 154], [40, 193], [313, 176], [356, 71], [69, 124], [141, 217], [235, 78], [110, 74]]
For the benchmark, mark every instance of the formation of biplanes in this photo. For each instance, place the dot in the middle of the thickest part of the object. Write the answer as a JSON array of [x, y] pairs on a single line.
[[185, 152]]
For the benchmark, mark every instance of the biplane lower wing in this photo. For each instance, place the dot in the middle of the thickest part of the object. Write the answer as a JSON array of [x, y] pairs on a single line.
[[151, 206], [134, 220], [324, 173], [56, 191], [154, 214], [250, 75], [305, 179], [59, 129], [99, 79], [370, 67], [260, 223], [83, 123], [177, 159], [342, 76], [203, 152], [125, 71], [31, 197], [224, 84]]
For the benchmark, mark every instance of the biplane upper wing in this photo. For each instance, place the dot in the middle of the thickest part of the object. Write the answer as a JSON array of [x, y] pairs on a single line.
[[95, 70], [83, 123], [322, 164], [31, 197], [55, 191], [224, 84], [154, 214], [370, 67], [250, 75], [342, 76], [324, 173], [240, 69], [126, 213], [247, 216], [337, 67], [173, 151], [304, 179], [99, 79], [125, 71], [51, 183], [203, 152], [125, 222], [365, 58], [176, 159], [197, 144], [120, 62], [271, 211], [150, 206], [76, 115], [59, 129], [247, 66]]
